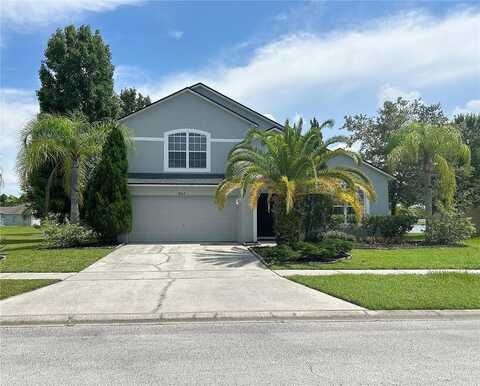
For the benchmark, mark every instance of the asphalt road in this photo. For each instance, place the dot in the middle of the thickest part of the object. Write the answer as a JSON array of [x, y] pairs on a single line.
[[388, 352]]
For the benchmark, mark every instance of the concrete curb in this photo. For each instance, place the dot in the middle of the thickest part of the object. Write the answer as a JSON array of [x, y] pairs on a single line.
[[259, 257], [279, 316]]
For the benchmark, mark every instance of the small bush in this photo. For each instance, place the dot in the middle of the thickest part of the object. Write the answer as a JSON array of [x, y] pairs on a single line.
[[449, 226], [66, 235], [327, 249], [278, 253], [339, 235], [388, 227], [302, 250]]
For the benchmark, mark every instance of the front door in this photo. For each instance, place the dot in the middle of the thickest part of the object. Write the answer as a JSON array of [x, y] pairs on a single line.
[[264, 218]]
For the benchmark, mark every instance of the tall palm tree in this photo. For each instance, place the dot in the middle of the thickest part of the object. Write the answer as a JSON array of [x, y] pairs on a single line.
[[291, 165], [438, 150], [70, 143]]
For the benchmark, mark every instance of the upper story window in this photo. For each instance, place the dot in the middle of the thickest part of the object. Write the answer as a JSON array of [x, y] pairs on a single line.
[[187, 150]]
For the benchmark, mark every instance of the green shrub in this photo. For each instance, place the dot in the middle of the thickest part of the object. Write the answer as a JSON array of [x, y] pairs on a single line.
[[66, 235], [449, 226], [327, 249], [308, 249], [335, 247], [302, 250], [278, 253], [388, 227]]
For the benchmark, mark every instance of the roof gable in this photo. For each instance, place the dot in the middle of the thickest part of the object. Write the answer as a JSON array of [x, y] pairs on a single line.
[[192, 92]]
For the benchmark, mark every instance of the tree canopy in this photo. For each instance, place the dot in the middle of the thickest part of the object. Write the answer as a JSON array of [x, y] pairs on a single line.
[[70, 143], [76, 75], [435, 150], [131, 101], [373, 134], [468, 192]]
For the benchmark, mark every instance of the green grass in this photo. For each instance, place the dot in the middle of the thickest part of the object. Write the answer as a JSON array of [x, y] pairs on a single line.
[[467, 257], [10, 287], [401, 292], [21, 245]]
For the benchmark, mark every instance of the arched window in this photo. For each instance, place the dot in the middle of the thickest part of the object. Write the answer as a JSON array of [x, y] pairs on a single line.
[[187, 150]]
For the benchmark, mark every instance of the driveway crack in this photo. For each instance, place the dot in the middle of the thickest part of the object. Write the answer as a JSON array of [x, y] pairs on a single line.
[[163, 296], [157, 266]]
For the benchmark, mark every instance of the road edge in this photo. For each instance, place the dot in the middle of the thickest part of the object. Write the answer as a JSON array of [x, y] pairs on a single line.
[[187, 317]]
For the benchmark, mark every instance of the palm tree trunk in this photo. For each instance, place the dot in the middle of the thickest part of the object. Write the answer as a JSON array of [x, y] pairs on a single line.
[[48, 188], [428, 168], [74, 194]]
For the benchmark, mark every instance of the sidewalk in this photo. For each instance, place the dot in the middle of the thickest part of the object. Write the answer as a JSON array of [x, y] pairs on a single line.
[[328, 272], [37, 275]]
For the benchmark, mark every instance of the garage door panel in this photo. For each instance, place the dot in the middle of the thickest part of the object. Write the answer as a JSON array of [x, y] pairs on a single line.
[[190, 218]]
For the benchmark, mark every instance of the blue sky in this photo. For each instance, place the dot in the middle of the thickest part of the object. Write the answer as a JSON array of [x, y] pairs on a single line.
[[286, 59]]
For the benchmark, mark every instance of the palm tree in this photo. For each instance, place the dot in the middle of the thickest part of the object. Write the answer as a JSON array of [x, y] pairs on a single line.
[[70, 143], [438, 150], [289, 166]]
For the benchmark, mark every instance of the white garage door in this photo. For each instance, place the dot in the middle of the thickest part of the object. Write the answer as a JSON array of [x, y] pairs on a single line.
[[173, 218]]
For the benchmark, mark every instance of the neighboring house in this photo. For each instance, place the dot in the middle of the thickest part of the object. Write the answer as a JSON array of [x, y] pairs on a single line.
[[17, 215], [181, 146]]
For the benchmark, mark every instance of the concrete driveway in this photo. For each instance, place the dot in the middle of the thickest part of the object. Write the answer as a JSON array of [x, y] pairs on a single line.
[[173, 278]]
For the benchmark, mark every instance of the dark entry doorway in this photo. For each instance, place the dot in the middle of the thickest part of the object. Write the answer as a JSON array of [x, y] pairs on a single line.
[[264, 218]]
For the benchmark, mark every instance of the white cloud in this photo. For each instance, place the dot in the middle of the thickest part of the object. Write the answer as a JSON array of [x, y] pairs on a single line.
[[472, 106], [390, 93], [31, 13], [411, 50], [175, 34], [270, 116], [17, 107], [296, 118], [128, 76]]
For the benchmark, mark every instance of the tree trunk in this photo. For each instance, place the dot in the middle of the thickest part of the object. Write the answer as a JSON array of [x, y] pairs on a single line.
[[428, 169], [48, 188], [74, 194]]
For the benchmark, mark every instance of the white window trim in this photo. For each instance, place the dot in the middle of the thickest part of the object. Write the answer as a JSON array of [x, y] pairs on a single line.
[[148, 139], [186, 169], [160, 139]]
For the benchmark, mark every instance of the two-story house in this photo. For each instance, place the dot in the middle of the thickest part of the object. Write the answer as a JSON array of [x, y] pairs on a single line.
[[181, 146]]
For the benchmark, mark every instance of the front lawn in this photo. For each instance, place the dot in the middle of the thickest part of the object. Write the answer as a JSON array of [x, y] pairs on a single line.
[[10, 287], [21, 245], [401, 292], [467, 257]]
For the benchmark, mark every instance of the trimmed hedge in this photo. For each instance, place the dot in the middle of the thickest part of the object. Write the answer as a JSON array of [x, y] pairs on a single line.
[[388, 227]]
